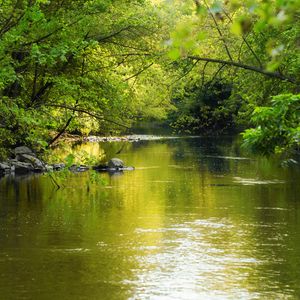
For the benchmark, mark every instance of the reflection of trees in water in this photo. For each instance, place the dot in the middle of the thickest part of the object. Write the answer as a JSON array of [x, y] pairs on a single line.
[[14, 183], [35, 196], [113, 149], [182, 149], [206, 151], [20, 192], [63, 237]]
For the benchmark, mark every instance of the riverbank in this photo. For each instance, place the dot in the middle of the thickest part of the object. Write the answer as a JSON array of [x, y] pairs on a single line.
[[25, 161], [70, 138], [127, 138]]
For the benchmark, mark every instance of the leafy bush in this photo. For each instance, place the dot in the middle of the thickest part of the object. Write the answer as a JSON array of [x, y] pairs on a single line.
[[277, 127]]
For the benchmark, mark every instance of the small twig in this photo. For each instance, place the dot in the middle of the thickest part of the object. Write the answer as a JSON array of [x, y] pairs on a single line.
[[203, 74], [219, 31], [213, 79], [52, 178], [139, 72], [119, 151], [54, 181], [185, 73]]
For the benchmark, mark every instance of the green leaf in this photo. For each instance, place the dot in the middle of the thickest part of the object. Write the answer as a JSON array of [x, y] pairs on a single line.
[[236, 27], [174, 53], [69, 159]]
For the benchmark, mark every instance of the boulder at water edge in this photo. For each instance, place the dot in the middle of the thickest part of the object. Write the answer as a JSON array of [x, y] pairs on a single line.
[[5, 168], [22, 167], [115, 163], [37, 164]]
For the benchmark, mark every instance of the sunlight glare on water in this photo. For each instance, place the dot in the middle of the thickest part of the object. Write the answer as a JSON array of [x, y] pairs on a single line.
[[190, 263]]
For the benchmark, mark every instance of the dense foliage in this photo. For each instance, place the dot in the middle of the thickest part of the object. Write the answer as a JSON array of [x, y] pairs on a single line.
[[277, 126], [206, 109], [251, 46], [73, 65], [98, 66]]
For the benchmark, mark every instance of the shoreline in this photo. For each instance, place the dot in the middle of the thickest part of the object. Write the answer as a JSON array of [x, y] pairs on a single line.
[[126, 138]]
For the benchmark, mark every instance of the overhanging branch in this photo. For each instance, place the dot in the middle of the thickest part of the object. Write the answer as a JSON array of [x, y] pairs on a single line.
[[245, 67], [77, 109]]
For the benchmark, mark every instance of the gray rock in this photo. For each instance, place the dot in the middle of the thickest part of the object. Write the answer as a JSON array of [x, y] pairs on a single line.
[[78, 169], [5, 168], [289, 162], [58, 167], [37, 164], [22, 167], [49, 168], [115, 163], [23, 150], [100, 168]]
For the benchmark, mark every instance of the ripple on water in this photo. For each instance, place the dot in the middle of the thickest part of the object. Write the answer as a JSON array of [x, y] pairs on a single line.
[[254, 181], [70, 250], [271, 208], [189, 264]]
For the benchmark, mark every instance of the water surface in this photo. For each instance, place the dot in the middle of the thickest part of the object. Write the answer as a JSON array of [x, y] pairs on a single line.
[[197, 219]]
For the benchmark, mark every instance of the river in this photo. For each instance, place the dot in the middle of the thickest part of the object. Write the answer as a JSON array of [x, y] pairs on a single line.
[[196, 219]]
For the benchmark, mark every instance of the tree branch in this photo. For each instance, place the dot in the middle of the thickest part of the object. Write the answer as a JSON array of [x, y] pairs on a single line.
[[8, 24], [40, 39], [203, 74], [219, 31], [41, 92], [185, 73], [102, 39], [216, 74], [61, 131], [34, 81], [139, 72], [88, 113], [245, 41], [124, 46], [245, 67]]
